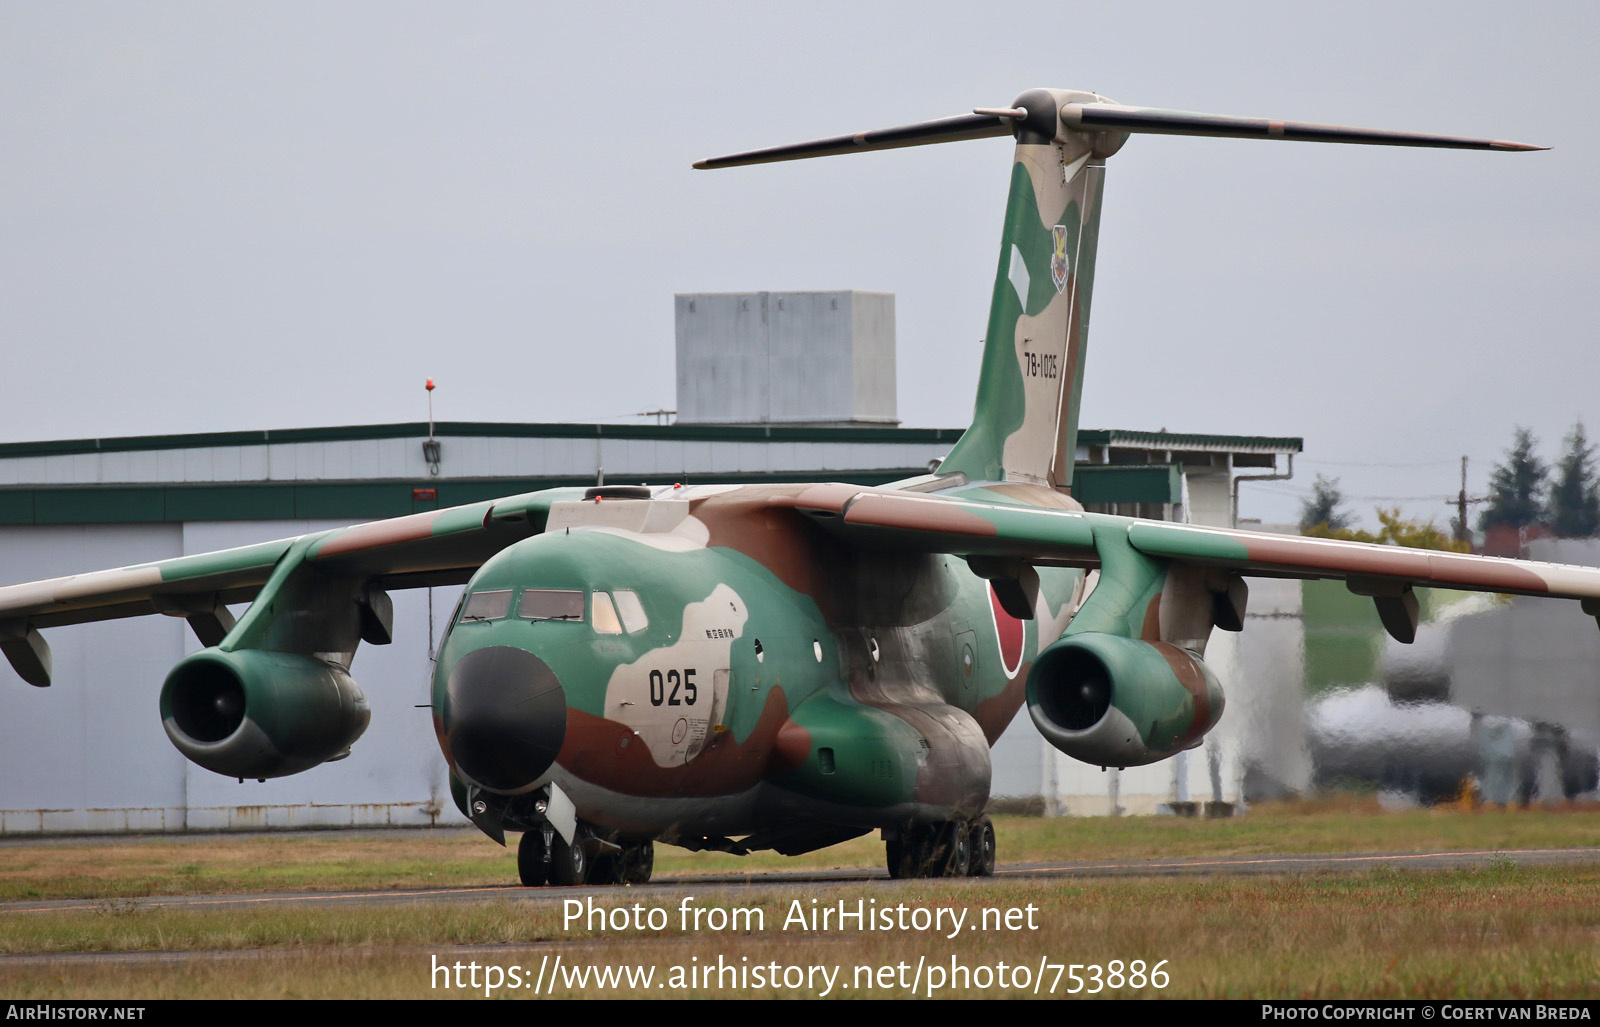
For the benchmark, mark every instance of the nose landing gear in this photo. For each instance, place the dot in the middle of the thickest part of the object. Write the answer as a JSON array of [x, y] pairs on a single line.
[[543, 856], [534, 855]]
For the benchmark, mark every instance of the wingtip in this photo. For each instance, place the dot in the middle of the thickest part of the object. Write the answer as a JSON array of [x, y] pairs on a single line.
[[1506, 144], [701, 165]]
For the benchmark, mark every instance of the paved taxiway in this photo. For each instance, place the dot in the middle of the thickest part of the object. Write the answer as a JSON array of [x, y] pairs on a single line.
[[809, 882], [1220, 866]]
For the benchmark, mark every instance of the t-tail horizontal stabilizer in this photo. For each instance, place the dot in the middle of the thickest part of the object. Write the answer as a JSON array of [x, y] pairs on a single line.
[[1113, 117], [1039, 112], [1025, 421]]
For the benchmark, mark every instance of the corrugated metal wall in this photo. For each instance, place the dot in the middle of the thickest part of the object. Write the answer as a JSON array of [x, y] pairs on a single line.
[[89, 752]]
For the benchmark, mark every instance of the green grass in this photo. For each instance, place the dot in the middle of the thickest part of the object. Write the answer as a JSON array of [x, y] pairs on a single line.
[[1501, 931], [450, 858]]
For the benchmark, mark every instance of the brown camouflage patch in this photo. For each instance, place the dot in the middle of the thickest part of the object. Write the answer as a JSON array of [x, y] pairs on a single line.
[[1151, 630], [1036, 495], [791, 746], [1484, 574], [889, 511], [605, 753], [753, 521], [995, 713], [411, 528], [829, 497], [1193, 679]]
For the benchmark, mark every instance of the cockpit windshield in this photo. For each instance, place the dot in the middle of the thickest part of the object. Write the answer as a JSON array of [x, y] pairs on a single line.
[[631, 610], [559, 604], [618, 611], [551, 604], [605, 616], [493, 605]]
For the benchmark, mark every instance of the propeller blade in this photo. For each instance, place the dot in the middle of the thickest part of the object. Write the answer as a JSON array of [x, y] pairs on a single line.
[[1110, 117], [943, 130]]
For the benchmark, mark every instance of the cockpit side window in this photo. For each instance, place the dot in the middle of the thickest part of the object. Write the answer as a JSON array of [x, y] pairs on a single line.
[[632, 611], [493, 605], [605, 616], [551, 604]]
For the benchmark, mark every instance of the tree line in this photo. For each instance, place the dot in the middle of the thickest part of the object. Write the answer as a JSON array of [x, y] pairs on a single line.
[[1524, 493]]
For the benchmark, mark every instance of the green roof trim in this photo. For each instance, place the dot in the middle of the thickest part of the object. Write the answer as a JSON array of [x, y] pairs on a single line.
[[361, 500], [1178, 441], [1127, 483], [341, 500]]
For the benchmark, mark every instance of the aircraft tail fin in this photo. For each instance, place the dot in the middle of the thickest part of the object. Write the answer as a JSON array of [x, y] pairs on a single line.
[[1025, 420], [1025, 423]]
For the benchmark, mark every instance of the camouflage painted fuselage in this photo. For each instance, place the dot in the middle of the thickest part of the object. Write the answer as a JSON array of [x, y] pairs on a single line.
[[835, 680], [777, 674], [786, 666]]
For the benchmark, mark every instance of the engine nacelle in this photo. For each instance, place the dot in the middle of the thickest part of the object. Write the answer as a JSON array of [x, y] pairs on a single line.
[[256, 713], [1121, 702]]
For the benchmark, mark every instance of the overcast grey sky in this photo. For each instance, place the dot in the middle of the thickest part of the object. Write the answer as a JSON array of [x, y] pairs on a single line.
[[241, 216]]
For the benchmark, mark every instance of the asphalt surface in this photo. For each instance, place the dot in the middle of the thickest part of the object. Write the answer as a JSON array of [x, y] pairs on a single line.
[[1219, 866], [668, 888]]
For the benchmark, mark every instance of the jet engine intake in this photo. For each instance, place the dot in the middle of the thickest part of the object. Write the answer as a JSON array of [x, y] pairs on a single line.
[[1121, 702], [257, 713]]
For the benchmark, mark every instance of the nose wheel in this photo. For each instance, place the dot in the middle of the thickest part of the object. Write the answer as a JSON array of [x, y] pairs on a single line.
[[569, 863], [544, 858]]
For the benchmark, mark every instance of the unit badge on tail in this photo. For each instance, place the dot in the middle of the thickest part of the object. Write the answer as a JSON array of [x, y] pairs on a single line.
[[1058, 257]]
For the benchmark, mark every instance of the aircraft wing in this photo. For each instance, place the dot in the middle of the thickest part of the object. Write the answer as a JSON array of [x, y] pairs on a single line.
[[437, 547], [1295, 556], [1060, 537], [1057, 537]]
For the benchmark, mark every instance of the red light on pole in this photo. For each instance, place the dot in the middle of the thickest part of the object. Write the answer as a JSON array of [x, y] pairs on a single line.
[[430, 449]]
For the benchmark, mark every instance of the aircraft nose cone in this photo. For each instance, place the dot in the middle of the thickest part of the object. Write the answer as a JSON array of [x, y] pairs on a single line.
[[505, 717]]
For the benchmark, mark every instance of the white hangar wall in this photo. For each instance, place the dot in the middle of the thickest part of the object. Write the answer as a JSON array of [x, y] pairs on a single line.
[[772, 386], [89, 754]]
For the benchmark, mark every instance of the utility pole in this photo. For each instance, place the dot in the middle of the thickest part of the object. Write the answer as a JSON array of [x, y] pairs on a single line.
[[1462, 534]]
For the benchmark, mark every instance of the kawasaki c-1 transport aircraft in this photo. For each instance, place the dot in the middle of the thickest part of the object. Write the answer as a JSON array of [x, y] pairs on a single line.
[[778, 666]]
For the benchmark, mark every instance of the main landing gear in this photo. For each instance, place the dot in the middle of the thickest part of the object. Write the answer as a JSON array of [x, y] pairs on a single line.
[[953, 849], [544, 857]]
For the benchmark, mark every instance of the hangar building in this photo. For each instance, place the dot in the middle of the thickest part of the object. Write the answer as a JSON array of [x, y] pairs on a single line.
[[804, 392]]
